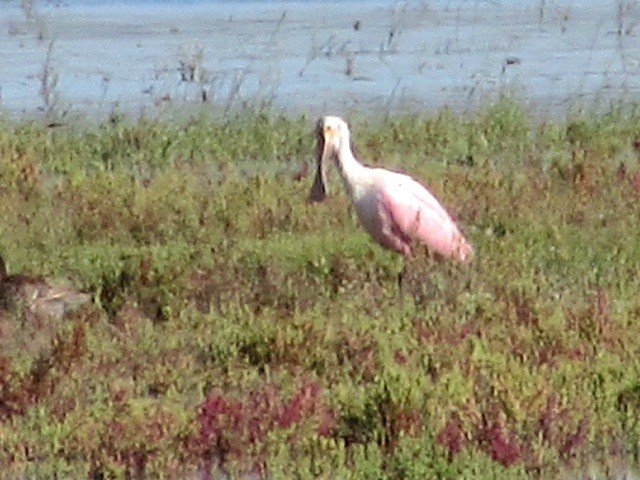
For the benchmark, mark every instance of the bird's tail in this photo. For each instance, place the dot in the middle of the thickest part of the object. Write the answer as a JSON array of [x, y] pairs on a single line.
[[464, 251]]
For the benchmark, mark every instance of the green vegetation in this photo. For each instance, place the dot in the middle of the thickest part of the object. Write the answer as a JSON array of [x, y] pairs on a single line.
[[236, 325]]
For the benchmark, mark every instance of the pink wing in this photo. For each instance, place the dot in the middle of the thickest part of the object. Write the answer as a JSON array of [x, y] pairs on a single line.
[[413, 213]]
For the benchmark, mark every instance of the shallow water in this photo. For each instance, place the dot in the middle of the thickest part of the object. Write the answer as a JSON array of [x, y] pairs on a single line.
[[316, 57]]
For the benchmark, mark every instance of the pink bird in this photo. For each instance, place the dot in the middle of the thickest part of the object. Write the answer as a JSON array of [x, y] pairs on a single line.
[[392, 207]]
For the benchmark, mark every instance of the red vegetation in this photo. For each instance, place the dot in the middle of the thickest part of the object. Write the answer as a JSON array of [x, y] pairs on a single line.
[[574, 440], [452, 437], [500, 443], [236, 428]]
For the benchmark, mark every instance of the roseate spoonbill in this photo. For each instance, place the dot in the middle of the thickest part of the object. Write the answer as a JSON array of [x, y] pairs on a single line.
[[392, 207], [34, 296]]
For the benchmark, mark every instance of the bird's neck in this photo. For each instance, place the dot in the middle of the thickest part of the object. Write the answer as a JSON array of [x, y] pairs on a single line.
[[351, 170]]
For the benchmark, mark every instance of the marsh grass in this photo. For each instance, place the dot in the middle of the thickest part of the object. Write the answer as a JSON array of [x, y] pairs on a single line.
[[237, 329]]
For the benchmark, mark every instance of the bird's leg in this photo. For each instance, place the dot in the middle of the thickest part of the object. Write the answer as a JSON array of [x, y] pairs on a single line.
[[404, 276], [401, 279], [421, 279], [411, 280]]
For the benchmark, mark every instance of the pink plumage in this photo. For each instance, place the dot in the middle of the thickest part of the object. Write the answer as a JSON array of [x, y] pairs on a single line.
[[393, 208]]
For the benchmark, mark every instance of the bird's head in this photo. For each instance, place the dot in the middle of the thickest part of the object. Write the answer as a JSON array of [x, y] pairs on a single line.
[[332, 135]]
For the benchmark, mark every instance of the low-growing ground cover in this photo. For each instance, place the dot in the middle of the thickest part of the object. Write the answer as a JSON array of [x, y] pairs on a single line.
[[237, 329]]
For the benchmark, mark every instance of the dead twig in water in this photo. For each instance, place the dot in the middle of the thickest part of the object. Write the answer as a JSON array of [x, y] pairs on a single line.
[[390, 99], [48, 83]]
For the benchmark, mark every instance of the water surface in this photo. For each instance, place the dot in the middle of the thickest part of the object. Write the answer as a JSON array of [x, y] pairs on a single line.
[[315, 56]]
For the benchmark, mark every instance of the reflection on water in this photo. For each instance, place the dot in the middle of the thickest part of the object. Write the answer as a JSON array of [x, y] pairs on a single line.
[[316, 57]]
